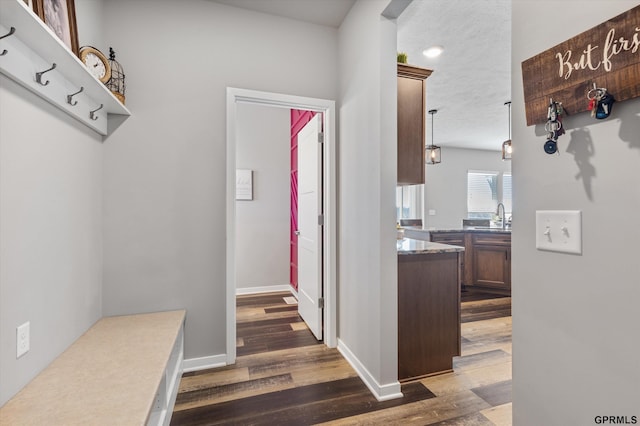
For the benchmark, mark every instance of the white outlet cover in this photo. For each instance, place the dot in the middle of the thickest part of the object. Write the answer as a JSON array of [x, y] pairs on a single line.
[[22, 339], [559, 231]]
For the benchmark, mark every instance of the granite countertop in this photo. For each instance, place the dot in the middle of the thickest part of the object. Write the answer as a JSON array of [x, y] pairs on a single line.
[[410, 246], [493, 229]]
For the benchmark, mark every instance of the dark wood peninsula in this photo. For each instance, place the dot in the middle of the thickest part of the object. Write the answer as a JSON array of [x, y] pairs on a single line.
[[428, 308]]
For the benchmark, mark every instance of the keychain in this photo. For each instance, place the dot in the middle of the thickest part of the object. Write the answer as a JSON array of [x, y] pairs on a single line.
[[553, 126], [600, 102]]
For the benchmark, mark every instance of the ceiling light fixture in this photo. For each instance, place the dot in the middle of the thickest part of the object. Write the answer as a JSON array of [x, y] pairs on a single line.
[[506, 145], [434, 153], [433, 51]]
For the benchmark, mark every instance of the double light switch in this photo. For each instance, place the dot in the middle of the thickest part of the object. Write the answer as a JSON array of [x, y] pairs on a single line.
[[559, 230]]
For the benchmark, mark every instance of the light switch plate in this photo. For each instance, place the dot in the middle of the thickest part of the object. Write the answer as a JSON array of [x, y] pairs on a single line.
[[559, 230], [22, 339]]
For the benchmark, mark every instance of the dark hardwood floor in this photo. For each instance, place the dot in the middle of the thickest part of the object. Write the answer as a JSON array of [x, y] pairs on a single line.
[[284, 376]]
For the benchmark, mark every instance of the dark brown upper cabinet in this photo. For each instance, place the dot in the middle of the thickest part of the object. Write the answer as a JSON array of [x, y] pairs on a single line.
[[411, 123]]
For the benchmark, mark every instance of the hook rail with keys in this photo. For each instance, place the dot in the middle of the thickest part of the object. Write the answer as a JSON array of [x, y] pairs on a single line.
[[32, 56]]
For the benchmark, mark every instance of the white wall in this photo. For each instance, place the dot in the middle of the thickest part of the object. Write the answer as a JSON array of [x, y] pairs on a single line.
[[50, 227], [263, 145], [446, 184], [367, 169], [575, 318], [165, 167]]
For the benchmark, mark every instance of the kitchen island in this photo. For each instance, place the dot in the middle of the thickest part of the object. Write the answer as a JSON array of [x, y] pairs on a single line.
[[428, 307]]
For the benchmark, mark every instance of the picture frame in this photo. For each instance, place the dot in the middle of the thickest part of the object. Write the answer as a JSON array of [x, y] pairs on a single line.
[[60, 17]]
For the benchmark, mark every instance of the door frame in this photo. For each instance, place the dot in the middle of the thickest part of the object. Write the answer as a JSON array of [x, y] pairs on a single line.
[[329, 262]]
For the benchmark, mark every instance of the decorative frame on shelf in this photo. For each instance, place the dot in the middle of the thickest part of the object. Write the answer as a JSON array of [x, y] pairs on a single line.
[[60, 16], [607, 55]]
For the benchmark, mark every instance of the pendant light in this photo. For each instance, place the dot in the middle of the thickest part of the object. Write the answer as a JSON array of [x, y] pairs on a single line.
[[506, 145], [434, 153]]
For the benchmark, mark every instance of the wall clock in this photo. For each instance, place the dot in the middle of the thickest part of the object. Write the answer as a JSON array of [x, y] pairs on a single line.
[[96, 63]]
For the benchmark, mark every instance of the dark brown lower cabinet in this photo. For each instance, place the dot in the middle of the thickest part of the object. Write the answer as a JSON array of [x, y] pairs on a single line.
[[428, 314], [492, 262], [486, 262]]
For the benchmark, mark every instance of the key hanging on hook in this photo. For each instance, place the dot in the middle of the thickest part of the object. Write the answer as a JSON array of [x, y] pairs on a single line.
[[70, 100], [39, 75], [11, 31], [92, 114]]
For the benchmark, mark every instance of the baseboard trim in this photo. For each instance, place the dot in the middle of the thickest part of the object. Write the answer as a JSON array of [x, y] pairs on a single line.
[[381, 392], [203, 363], [264, 289]]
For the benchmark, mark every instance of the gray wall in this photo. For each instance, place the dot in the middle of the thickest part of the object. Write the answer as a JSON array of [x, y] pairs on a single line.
[[367, 172], [164, 168], [575, 318], [446, 184], [263, 145], [50, 228]]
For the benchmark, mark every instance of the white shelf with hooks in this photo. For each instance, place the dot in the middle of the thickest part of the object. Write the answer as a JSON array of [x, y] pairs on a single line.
[[34, 48]]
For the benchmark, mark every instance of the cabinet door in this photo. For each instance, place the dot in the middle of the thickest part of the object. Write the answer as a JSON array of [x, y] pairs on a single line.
[[454, 239], [410, 131], [491, 266]]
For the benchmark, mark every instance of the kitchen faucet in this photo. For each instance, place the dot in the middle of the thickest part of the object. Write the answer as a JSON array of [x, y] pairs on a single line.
[[504, 215]]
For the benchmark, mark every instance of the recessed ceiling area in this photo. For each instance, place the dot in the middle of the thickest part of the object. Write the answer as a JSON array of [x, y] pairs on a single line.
[[471, 79]]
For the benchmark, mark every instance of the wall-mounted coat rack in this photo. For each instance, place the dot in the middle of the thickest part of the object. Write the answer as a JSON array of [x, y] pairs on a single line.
[[34, 57], [607, 55]]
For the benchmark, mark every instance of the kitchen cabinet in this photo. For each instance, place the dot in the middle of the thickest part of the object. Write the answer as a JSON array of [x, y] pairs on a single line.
[[486, 263], [411, 123], [492, 261], [455, 239], [428, 312]]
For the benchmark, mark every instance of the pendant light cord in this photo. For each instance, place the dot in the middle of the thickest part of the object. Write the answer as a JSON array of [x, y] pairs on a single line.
[[507, 103]]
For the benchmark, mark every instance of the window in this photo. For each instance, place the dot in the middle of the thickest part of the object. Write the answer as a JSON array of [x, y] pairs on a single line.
[[409, 202], [506, 193], [485, 190]]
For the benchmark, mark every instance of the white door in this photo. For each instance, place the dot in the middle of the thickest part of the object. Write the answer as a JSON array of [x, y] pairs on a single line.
[[309, 229]]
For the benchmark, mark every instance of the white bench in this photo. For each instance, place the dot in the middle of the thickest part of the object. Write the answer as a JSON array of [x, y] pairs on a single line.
[[124, 370]]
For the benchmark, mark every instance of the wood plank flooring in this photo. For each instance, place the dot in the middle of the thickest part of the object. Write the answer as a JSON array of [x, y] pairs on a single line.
[[284, 376]]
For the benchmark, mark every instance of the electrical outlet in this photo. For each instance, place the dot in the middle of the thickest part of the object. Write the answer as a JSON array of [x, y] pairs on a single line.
[[22, 339]]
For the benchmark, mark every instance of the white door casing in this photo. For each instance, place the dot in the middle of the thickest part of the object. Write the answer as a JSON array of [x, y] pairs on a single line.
[[309, 228], [329, 262]]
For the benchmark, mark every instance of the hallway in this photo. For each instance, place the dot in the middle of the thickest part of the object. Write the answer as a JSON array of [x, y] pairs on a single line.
[[284, 376]]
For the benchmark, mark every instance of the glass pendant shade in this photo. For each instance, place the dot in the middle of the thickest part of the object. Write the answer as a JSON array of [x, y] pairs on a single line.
[[433, 152], [506, 150]]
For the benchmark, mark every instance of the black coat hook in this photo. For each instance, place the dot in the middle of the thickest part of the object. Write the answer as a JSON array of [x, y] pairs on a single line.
[[39, 75], [11, 31], [70, 97], [92, 114]]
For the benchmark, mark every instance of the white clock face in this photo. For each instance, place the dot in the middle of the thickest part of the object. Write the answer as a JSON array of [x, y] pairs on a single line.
[[95, 65]]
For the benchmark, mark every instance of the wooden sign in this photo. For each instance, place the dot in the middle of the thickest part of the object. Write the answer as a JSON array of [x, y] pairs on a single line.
[[607, 55]]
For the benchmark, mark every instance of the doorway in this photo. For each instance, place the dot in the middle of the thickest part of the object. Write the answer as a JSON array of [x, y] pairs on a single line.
[[237, 96]]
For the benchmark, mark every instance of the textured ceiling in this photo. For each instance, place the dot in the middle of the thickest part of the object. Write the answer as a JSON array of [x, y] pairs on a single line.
[[330, 13], [471, 80]]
